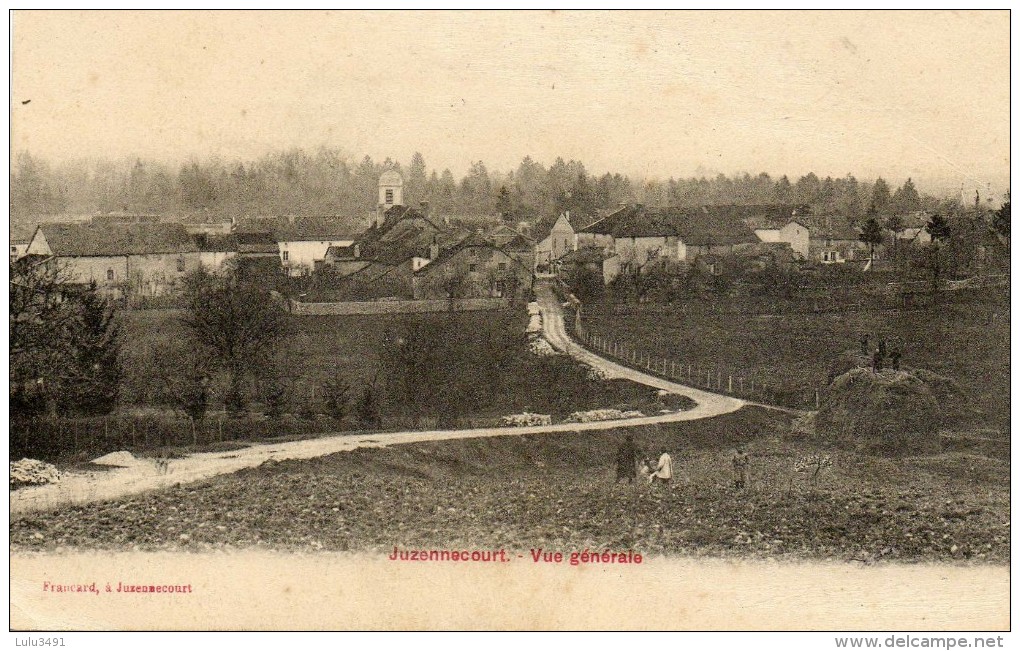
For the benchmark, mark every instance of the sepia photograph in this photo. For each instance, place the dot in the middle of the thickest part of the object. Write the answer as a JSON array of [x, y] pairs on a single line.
[[456, 320]]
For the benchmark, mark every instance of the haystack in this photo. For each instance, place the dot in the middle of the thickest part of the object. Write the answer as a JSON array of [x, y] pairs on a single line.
[[890, 411]]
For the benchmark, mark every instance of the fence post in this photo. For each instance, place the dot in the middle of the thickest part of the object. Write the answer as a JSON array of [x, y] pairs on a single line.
[[752, 387], [741, 386], [764, 388], [672, 369], [718, 380], [730, 389], [816, 399]]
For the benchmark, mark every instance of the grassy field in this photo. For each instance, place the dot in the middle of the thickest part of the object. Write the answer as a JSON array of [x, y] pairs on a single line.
[[317, 349], [558, 492], [795, 348]]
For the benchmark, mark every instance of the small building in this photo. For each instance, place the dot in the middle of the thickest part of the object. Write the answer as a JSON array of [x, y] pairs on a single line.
[[639, 234], [473, 268], [301, 242], [559, 240], [834, 240], [138, 259]]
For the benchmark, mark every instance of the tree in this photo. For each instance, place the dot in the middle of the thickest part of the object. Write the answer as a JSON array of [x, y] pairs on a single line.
[[783, 190], [94, 342], [337, 394], [872, 235], [906, 199], [881, 196], [503, 204], [64, 343], [416, 180], [938, 228], [237, 323]]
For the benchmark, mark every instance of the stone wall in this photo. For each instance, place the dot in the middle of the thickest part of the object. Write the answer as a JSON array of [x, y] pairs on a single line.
[[397, 307]]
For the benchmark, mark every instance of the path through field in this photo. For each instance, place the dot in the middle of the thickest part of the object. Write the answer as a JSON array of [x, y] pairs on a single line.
[[144, 475]]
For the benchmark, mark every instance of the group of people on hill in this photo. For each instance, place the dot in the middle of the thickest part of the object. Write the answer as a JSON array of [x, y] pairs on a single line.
[[630, 466], [892, 349]]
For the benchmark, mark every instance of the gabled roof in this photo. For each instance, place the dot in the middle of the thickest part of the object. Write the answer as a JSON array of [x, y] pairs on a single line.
[[406, 233], [123, 239], [248, 243], [473, 240], [502, 235], [693, 227], [831, 227], [21, 233], [215, 243], [521, 243], [340, 252], [543, 230], [300, 229]]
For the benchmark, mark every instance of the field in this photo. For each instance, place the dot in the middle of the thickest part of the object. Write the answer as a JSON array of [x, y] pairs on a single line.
[[557, 492], [965, 337], [317, 349]]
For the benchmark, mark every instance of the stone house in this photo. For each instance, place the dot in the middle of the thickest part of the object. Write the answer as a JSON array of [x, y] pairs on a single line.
[[559, 240], [834, 240], [638, 234], [473, 268], [138, 259]]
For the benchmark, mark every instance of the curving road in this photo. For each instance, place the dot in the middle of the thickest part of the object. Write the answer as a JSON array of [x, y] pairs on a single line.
[[709, 404], [143, 475]]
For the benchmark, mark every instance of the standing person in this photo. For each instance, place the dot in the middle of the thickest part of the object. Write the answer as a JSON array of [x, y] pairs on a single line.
[[882, 350], [626, 459], [741, 461], [664, 469], [864, 343], [876, 361]]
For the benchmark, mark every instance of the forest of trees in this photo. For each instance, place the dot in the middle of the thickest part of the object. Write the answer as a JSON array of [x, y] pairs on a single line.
[[328, 183]]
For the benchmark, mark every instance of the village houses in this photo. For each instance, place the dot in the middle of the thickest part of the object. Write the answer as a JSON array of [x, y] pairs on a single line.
[[141, 259]]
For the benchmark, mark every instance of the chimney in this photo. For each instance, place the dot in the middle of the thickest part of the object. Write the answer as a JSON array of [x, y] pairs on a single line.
[[357, 250], [434, 249], [290, 219], [425, 208]]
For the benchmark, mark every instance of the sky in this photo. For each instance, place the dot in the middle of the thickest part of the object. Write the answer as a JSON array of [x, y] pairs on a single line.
[[653, 94]]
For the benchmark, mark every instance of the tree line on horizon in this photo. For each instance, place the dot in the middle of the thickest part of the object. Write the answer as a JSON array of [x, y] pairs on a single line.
[[295, 182]]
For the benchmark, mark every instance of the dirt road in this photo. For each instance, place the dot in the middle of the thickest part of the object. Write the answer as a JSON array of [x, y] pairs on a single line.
[[709, 404], [144, 475]]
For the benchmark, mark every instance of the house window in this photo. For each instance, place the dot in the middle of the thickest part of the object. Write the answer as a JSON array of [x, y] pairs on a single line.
[[286, 255], [825, 256], [14, 250], [472, 267], [389, 196], [180, 264], [502, 266], [109, 274]]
